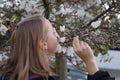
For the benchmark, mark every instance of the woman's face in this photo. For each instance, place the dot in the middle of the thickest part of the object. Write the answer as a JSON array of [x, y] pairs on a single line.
[[52, 38]]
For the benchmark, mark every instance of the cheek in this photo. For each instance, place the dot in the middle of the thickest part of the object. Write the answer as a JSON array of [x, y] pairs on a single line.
[[52, 49], [52, 45]]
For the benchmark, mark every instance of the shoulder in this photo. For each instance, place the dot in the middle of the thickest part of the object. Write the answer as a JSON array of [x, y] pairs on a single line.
[[100, 75], [37, 77], [2, 77]]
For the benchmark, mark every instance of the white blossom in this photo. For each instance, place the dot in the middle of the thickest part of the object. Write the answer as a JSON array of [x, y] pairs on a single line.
[[91, 2], [80, 12], [106, 5], [1, 21], [61, 49], [88, 15], [115, 0], [113, 20], [27, 5], [119, 28], [97, 32], [62, 28], [3, 29], [106, 18], [4, 0], [104, 1], [3, 56], [1, 5], [22, 18], [54, 10], [7, 19], [69, 77], [98, 2], [18, 2], [70, 51], [68, 10], [63, 10], [0, 57], [118, 15], [96, 24], [64, 49], [62, 39], [1, 14], [8, 4]]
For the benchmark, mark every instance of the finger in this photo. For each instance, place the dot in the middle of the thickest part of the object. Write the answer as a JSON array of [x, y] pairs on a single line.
[[86, 44], [74, 44], [77, 43], [82, 45], [88, 47]]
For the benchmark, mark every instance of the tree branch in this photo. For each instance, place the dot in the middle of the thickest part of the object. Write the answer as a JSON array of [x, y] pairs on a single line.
[[96, 18], [47, 8]]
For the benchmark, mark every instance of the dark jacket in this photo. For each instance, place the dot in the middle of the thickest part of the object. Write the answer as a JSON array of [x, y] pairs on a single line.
[[99, 75]]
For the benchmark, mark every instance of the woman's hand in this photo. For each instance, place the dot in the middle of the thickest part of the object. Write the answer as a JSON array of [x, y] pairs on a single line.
[[83, 50]]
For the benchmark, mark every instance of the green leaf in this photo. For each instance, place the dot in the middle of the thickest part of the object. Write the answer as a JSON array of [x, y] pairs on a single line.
[[96, 52]]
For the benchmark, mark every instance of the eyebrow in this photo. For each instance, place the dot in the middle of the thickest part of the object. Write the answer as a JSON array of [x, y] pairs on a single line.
[[54, 29]]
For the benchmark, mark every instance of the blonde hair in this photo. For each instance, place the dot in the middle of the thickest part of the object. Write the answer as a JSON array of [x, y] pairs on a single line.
[[26, 56]]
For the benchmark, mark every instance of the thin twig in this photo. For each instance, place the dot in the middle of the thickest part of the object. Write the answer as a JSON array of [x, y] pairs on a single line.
[[96, 18]]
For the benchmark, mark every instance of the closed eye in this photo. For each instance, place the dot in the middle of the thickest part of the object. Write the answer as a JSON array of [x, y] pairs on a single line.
[[55, 33]]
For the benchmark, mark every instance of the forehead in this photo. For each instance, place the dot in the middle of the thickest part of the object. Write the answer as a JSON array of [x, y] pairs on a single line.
[[48, 24]]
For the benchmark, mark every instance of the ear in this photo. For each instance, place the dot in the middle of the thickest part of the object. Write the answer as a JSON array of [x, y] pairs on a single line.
[[43, 45]]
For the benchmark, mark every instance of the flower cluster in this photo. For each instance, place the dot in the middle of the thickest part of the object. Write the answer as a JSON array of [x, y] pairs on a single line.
[[3, 29]]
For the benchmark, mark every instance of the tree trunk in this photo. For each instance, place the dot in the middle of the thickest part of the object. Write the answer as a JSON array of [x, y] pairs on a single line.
[[61, 66], [61, 60]]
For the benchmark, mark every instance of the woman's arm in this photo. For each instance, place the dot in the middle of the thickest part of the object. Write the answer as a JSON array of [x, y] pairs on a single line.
[[83, 50]]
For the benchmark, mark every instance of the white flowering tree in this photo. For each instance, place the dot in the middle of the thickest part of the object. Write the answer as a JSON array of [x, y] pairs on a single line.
[[94, 21]]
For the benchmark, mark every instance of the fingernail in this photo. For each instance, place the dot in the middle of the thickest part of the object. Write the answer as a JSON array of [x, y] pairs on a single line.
[[77, 36]]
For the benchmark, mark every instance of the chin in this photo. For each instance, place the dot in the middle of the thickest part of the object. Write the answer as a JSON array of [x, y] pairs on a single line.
[[52, 53], [56, 49]]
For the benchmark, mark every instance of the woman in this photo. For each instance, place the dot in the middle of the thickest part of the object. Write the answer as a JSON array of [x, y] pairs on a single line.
[[33, 42]]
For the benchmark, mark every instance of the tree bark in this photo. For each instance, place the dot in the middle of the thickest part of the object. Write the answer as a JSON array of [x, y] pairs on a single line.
[[61, 66], [61, 60]]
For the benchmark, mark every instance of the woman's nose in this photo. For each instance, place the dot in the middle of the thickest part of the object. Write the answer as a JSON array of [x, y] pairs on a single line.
[[57, 36]]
